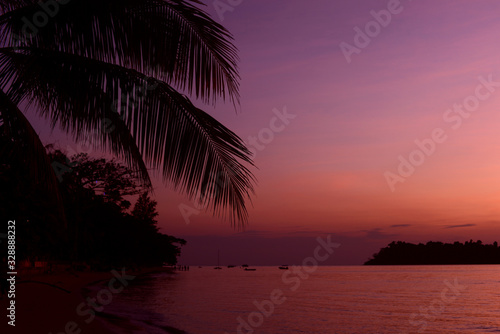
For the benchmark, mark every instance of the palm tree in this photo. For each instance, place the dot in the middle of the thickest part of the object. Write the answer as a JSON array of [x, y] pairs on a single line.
[[115, 73]]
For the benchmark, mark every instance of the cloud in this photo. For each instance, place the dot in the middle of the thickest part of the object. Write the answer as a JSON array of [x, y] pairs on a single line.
[[377, 233], [457, 226], [400, 225]]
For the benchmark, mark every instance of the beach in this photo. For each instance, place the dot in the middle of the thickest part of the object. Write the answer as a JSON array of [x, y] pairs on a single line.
[[60, 302]]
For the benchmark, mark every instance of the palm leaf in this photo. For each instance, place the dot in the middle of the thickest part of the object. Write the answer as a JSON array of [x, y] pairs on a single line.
[[11, 5], [199, 156], [25, 147], [171, 40], [96, 61]]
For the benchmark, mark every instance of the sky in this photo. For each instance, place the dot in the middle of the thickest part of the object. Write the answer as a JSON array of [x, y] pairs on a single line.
[[367, 131]]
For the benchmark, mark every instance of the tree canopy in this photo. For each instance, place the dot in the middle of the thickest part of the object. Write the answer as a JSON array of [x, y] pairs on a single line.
[[435, 252], [104, 230], [115, 74]]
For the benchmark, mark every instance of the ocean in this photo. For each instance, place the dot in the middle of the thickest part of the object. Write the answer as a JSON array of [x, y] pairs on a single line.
[[330, 299]]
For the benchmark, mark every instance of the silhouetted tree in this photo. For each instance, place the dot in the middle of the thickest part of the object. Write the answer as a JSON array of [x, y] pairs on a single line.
[[33, 208], [100, 230], [114, 74], [470, 252], [145, 210]]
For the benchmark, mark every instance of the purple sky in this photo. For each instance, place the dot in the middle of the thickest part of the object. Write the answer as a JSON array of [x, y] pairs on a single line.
[[324, 171]]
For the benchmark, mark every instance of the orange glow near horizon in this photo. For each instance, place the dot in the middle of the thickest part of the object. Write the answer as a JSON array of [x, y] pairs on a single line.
[[324, 171]]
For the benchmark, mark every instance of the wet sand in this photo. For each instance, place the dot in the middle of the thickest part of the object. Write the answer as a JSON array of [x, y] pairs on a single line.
[[56, 303]]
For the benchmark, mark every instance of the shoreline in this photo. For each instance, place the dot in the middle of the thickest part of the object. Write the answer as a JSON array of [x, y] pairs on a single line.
[[57, 303], [116, 323]]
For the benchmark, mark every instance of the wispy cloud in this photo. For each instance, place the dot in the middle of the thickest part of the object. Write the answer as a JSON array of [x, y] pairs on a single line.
[[400, 225], [377, 233], [457, 226]]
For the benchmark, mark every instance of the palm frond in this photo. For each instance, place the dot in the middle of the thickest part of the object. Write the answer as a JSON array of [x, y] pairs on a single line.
[[11, 5], [80, 106], [23, 146], [172, 40], [197, 154]]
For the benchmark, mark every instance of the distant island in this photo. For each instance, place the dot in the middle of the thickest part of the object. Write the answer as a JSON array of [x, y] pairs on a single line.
[[404, 253]]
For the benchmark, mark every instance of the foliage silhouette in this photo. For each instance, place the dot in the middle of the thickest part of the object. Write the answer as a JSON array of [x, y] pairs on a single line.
[[402, 253], [100, 231], [114, 74]]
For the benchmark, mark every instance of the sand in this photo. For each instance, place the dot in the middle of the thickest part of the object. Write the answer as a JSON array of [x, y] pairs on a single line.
[[52, 303]]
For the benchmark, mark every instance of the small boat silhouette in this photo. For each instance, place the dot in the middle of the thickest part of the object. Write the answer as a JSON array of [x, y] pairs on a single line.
[[250, 269], [283, 267], [218, 253]]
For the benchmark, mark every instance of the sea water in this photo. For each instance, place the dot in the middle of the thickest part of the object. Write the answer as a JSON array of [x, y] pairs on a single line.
[[348, 299]]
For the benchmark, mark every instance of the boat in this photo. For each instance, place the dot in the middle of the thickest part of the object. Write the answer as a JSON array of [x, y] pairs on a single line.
[[283, 267], [244, 265], [250, 269], [230, 266], [218, 255]]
